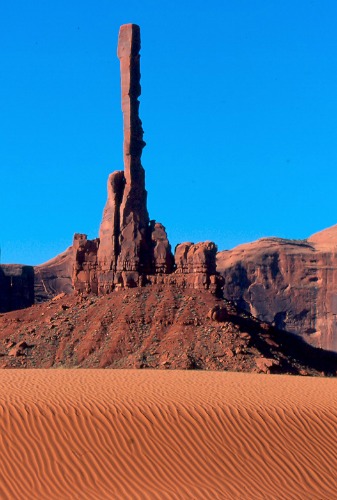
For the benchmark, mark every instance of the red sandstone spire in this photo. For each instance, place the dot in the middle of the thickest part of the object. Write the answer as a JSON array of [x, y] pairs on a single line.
[[134, 218], [130, 248], [128, 54], [124, 250]]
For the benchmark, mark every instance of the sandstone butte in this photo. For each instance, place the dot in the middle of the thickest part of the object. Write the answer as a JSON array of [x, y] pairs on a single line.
[[289, 284]]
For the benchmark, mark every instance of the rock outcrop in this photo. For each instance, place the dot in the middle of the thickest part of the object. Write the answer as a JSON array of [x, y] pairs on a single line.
[[197, 264], [292, 284], [85, 264], [162, 258], [109, 246], [134, 219], [130, 247], [132, 250]]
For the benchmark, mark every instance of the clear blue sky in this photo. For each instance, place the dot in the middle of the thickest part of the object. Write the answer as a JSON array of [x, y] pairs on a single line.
[[239, 110]]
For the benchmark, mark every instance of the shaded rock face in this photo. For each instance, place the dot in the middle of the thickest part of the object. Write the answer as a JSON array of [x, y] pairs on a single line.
[[16, 287], [162, 258], [109, 247], [85, 267], [292, 284], [54, 277]]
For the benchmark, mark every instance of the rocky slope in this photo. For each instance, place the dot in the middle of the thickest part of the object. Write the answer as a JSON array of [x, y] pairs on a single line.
[[165, 327]]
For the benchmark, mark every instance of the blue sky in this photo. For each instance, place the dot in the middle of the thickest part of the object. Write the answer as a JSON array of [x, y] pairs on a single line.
[[238, 104]]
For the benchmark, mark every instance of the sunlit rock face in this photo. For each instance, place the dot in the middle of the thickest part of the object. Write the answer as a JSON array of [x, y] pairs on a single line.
[[290, 283]]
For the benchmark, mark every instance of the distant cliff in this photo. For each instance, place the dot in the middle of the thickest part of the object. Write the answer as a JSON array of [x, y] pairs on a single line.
[[292, 284]]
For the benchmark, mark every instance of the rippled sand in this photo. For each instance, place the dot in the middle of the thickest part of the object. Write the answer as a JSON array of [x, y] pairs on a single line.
[[73, 434]]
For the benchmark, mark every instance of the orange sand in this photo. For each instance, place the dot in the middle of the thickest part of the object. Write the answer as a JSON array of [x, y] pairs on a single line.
[[73, 434]]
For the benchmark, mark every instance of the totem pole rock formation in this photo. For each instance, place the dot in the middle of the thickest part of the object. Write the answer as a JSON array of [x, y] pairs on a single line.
[[123, 251], [134, 218], [131, 249]]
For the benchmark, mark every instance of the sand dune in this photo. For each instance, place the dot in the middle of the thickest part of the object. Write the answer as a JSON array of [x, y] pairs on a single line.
[[73, 434]]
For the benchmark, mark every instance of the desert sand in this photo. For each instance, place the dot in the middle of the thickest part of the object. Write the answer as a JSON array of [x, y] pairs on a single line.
[[166, 434]]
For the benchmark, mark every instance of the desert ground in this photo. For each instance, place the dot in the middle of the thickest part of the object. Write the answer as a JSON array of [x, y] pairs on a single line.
[[96, 434]]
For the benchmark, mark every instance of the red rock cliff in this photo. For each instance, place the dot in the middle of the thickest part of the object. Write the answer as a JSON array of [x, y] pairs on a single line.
[[292, 284]]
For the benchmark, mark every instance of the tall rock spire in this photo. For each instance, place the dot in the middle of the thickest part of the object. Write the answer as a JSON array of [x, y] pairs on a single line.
[[134, 218], [128, 54], [130, 248], [124, 253]]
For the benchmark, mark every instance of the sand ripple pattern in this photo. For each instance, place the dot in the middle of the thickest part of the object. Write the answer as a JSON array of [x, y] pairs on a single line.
[[110, 434]]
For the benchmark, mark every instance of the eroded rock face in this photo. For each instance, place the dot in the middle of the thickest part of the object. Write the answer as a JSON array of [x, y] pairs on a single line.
[[124, 250], [85, 264], [109, 247], [131, 250], [197, 263], [292, 284], [163, 261]]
